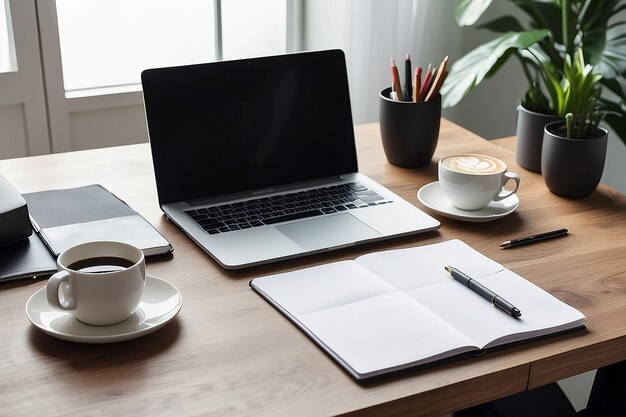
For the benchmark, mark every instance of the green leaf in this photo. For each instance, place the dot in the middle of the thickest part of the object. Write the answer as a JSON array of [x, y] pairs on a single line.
[[469, 11], [535, 100], [503, 24], [607, 49], [617, 123], [470, 70], [597, 14], [559, 93], [543, 15], [616, 85]]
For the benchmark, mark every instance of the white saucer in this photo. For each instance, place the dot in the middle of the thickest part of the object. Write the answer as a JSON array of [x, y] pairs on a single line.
[[160, 303], [431, 195]]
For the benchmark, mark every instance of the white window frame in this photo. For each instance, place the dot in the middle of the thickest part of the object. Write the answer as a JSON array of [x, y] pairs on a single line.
[[24, 87]]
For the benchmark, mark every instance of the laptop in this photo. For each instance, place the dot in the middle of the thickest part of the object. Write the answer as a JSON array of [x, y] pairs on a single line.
[[255, 159]]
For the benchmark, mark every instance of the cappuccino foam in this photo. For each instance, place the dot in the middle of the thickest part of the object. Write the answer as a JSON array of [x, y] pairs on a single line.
[[473, 164]]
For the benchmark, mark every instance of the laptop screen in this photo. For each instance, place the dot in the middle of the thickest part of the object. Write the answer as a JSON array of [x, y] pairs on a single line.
[[244, 125]]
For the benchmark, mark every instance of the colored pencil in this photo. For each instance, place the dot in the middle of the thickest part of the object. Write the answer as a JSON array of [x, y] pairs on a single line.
[[417, 84], [395, 77], [425, 84], [438, 81]]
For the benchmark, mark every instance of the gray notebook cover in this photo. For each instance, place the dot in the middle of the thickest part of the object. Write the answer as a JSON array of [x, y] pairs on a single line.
[[64, 218]]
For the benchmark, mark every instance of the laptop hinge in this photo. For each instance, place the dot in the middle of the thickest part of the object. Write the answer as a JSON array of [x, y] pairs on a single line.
[[266, 191]]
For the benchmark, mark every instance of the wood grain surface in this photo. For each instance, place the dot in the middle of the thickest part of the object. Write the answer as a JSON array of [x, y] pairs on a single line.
[[229, 353]]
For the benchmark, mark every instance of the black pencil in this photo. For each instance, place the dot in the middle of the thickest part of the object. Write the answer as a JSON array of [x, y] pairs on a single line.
[[407, 76]]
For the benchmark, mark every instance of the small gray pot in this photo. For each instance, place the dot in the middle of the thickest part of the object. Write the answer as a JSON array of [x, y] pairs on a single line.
[[572, 168], [529, 137]]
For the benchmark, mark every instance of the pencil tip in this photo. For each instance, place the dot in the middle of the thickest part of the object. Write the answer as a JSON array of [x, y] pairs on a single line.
[[392, 62], [408, 56]]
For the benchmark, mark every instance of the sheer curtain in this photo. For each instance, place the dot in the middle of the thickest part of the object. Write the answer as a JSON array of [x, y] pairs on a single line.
[[372, 31]]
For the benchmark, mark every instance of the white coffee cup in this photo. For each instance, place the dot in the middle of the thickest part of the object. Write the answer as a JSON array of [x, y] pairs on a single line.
[[99, 283], [472, 181]]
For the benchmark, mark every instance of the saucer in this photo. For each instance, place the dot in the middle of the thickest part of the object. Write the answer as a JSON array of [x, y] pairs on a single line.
[[160, 303], [431, 195]]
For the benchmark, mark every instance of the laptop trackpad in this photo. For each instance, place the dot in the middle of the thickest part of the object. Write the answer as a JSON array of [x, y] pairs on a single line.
[[327, 231]]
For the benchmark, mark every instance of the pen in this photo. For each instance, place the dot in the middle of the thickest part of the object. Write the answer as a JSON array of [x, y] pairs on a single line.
[[533, 238], [483, 291], [407, 76], [395, 77]]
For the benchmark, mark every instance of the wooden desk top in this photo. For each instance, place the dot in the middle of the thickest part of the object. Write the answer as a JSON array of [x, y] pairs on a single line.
[[229, 353]]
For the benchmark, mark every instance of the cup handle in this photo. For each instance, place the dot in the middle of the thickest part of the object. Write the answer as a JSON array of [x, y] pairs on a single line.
[[52, 292], [504, 193]]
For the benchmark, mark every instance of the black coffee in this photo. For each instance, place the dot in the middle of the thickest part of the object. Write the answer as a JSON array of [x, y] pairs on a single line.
[[101, 264]]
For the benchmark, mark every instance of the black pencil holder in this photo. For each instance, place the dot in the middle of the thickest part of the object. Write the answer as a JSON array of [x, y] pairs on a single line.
[[409, 130]]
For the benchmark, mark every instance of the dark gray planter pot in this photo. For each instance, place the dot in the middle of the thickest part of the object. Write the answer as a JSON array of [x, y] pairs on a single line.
[[530, 136], [572, 167]]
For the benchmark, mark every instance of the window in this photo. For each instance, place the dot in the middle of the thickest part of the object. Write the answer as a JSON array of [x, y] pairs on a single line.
[[253, 28], [7, 48], [105, 44]]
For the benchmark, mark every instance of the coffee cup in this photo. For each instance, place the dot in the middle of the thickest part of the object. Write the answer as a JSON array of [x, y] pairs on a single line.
[[99, 283], [472, 181]]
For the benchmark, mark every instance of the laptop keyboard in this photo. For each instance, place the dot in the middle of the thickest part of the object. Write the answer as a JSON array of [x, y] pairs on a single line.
[[281, 208]]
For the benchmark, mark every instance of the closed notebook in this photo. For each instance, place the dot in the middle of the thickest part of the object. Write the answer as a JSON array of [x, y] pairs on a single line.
[[64, 218], [392, 310], [26, 258]]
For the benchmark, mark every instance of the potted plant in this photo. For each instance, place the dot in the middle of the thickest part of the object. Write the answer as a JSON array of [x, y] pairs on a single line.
[[574, 150], [559, 27]]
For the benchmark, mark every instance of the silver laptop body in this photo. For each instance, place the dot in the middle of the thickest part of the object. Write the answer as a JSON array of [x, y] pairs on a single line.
[[255, 159]]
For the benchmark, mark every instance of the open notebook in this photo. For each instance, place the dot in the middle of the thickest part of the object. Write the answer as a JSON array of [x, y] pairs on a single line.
[[396, 309]]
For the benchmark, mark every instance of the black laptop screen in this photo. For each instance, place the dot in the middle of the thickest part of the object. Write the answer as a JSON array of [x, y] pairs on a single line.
[[245, 125]]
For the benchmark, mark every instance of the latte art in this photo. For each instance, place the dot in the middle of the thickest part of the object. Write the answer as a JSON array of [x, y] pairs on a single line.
[[473, 164]]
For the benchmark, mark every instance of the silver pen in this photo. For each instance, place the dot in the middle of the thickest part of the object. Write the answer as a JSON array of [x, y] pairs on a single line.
[[483, 291]]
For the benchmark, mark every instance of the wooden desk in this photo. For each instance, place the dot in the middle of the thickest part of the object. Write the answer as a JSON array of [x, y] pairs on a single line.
[[229, 353]]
